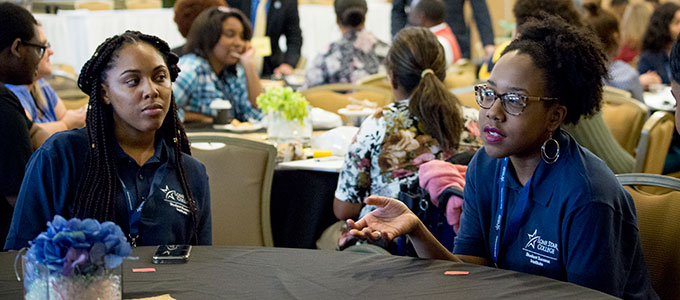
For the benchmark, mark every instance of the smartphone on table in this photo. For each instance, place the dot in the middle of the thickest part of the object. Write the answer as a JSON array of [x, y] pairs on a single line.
[[172, 254]]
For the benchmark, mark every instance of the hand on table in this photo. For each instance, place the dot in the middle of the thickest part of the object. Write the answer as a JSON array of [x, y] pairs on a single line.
[[284, 69], [391, 219], [651, 77]]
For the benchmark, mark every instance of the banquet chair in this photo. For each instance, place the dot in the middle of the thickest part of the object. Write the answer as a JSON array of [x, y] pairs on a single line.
[[94, 5], [616, 91], [333, 97], [624, 117], [658, 217], [143, 4], [377, 80], [655, 139], [240, 172]]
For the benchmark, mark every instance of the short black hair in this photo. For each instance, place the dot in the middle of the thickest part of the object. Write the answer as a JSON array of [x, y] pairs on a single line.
[[675, 60], [17, 22], [350, 12], [433, 10], [206, 30], [571, 59], [658, 35], [565, 9]]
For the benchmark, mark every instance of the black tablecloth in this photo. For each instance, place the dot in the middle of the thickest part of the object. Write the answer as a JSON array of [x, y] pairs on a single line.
[[283, 273], [301, 206]]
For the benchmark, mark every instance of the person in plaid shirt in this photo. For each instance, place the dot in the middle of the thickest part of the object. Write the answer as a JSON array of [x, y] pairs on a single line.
[[219, 65]]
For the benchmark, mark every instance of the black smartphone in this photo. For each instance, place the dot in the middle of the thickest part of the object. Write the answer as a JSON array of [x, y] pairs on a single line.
[[172, 254]]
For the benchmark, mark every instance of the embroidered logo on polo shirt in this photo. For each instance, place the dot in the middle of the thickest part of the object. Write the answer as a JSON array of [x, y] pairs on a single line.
[[176, 200], [540, 251]]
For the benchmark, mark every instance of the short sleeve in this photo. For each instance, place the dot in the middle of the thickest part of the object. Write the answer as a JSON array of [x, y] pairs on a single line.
[[470, 235], [354, 181]]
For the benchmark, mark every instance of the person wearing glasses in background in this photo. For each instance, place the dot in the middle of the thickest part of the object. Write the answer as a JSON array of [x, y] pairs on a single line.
[[535, 200], [20, 52], [41, 102]]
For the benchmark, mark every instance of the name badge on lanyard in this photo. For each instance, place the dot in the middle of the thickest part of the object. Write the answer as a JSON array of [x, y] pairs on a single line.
[[515, 220], [135, 214]]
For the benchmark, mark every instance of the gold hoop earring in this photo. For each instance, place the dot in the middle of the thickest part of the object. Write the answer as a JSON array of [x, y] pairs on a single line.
[[547, 159]]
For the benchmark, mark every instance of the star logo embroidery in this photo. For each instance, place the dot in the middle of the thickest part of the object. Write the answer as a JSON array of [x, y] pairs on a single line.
[[532, 239]]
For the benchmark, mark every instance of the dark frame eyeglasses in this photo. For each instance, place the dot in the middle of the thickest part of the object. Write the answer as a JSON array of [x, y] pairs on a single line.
[[513, 103], [42, 48]]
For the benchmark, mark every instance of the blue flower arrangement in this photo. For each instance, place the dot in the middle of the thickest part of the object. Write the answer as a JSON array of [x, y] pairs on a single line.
[[79, 247]]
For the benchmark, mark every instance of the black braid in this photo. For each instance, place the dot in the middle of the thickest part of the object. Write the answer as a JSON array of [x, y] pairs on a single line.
[[95, 197]]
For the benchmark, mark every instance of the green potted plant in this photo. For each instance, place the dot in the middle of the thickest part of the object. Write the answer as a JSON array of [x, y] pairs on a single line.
[[287, 115]]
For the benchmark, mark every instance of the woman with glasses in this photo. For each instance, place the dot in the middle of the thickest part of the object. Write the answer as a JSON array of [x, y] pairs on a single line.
[[535, 200], [40, 101], [218, 66]]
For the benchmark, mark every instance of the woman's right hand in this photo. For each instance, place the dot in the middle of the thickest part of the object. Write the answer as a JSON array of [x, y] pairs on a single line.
[[391, 219]]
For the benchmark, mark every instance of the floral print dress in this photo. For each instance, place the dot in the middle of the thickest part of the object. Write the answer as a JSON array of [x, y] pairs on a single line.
[[388, 149]]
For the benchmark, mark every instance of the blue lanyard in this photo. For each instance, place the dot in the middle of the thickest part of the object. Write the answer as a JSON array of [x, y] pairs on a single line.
[[134, 214], [516, 217]]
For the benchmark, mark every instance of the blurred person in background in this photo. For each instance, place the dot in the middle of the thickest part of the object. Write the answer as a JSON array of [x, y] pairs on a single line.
[[186, 12], [663, 28], [20, 53], [633, 25], [356, 55], [218, 66], [282, 19], [430, 14], [40, 101], [606, 28]]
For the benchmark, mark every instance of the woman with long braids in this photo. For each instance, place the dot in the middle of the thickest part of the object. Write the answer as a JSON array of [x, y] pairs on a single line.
[[131, 164], [535, 200]]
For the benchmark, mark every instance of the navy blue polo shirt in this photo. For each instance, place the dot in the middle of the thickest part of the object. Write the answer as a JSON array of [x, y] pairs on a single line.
[[55, 169], [579, 224]]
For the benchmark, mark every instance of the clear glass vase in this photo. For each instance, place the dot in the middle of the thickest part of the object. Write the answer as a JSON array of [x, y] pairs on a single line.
[[280, 130], [42, 283]]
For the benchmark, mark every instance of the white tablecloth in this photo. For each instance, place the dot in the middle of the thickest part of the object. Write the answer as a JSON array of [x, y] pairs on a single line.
[[75, 34]]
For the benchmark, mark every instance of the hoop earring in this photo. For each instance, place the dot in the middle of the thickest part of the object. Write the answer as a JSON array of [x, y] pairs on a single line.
[[547, 159]]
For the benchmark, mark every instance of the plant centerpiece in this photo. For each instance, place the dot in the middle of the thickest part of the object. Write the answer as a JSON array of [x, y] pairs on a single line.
[[287, 114], [75, 259]]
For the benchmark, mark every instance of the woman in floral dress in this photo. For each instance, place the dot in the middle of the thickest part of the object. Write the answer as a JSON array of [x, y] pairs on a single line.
[[425, 123]]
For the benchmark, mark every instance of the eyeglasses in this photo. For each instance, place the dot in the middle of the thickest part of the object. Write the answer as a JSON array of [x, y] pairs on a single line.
[[41, 48], [513, 103]]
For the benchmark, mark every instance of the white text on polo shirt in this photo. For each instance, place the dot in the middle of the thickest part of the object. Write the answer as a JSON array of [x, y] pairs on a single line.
[[175, 200], [540, 251]]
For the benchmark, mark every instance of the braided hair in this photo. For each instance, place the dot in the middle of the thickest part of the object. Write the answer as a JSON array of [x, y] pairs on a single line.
[[95, 197]]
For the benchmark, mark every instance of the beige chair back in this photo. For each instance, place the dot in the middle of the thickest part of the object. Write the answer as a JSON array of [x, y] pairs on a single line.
[[655, 139], [658, 217], [94, 5], [616, 91], [241, 173], [332, 97], [143, 4], [379, 80], [624, 117]]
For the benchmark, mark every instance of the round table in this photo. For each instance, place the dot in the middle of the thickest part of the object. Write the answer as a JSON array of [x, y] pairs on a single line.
[[286, 273]]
